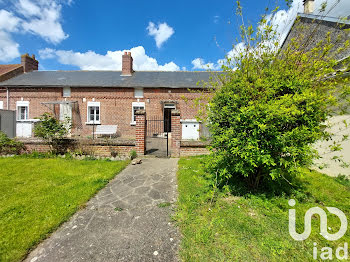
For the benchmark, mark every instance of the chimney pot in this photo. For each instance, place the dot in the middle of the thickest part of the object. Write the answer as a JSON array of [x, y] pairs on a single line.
[[309, 6], [125, 53]]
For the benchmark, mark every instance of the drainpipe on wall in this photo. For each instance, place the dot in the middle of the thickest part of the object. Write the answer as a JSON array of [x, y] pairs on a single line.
[[8, 98]]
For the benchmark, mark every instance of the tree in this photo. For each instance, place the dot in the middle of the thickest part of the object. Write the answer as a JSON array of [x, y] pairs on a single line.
[[52, 130], [270, 104]]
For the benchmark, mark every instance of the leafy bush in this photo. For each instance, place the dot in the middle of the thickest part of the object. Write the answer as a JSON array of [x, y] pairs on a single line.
[[53, 131], [269, 107], [10, 146]]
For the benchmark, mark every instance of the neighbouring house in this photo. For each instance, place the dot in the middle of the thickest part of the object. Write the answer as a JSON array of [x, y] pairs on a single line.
[[27, 64], [106, 98], [8, 71], [313, 29]]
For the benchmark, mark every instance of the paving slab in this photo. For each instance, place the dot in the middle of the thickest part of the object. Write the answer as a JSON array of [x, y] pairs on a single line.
[[123, 222]]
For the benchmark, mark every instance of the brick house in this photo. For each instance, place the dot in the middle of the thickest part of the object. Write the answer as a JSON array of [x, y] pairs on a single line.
[[93, 98]]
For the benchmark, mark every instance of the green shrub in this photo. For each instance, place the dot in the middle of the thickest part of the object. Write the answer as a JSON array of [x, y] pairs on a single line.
[[270, 105], [10, 146]]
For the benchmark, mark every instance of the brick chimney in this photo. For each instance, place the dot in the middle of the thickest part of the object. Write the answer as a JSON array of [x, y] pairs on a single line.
[[309, 6], [29, 63], [127, 64]]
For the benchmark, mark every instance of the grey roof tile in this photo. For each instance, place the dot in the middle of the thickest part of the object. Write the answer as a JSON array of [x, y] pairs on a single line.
[[147, 79]]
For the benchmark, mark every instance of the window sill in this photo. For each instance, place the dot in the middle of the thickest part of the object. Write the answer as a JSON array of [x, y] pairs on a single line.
[[27, 120], [133, 123], [92, 123]]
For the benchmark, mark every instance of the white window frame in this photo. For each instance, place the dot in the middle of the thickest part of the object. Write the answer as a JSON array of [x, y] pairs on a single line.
[[66, 91], [140, 94], [1, 104], [93, 104], [136, 104], [22, 104]]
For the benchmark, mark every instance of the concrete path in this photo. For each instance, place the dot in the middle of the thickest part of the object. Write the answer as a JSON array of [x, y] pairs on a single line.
[[123, 222]]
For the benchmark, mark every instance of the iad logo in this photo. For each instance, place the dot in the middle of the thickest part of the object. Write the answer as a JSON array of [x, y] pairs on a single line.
[[326, 251], [323, 224]]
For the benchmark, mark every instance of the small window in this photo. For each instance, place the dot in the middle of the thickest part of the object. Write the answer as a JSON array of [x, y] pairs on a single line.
[[138, 92], [1, 104], [66, 91], [22, 110], [135, 107], [93, 113], [169, 105]]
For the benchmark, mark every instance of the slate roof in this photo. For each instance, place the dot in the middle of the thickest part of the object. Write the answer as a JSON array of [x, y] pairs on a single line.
[[316, 28], [146, 79], [7, 68]]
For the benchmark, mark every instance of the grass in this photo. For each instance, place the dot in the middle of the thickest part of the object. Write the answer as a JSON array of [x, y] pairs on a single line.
[[164, 204], [253, 227], [38, 195]]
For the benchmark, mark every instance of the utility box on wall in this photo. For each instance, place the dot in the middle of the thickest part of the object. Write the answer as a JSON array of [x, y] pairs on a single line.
[[190, 129]]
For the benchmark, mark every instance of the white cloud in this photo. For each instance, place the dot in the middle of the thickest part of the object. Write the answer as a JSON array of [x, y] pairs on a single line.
[[199, 63], [8, 22], [43, 19], [8, 47], [38, 17], [112, 60], [27, 8], [161, 33]]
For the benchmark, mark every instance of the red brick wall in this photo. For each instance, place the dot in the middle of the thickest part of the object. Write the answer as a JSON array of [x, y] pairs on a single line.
[[96, 147], [176, 133], [193, 151], [141, 132], [116, 104]]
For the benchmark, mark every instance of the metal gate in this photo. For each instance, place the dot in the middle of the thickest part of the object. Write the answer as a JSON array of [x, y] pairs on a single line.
[[157, 137]]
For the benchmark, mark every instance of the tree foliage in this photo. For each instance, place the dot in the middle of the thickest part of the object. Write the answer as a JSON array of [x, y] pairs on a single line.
[[52, 130], [270, 104]]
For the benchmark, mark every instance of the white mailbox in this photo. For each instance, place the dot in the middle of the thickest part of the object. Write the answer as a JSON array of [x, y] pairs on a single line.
[[190, 129]]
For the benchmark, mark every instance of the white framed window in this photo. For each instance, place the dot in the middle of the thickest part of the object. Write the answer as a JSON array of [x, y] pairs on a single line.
[[1, 104], [22, 110], [138, 92], [135, 107], [66, 91], [93, 113]]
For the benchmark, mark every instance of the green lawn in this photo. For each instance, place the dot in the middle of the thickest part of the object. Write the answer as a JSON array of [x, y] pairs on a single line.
[[37, 195], [253, 227]]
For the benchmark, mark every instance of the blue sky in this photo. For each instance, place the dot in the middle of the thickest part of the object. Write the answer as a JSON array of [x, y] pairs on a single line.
[[162, 35]]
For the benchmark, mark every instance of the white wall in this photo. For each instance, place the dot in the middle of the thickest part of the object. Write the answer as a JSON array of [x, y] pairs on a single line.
[[334, 168]]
